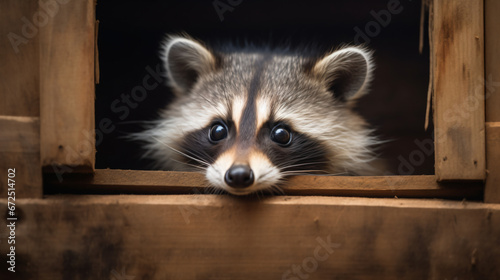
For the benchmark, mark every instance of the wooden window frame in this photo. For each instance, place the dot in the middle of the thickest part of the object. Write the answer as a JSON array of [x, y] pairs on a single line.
[[458, 77], [67, 143], [49, 126]]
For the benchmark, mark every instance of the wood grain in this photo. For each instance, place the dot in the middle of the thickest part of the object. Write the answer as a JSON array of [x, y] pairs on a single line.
[[107, 181], [492, 188], [20, 149], [67, 88], [492, 59], [19, 59], [492, 80], [224, 237], [458, 62]]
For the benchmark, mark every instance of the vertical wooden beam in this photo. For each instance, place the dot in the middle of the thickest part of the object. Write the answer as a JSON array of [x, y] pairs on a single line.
[[458, 83], [67, 88], [20, 150], [19, 89], [492, 59], [20, 26], [492, 188], [492, 82]]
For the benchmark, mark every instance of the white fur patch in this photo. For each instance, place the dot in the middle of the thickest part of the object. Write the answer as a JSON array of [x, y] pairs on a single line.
[[237, 111], [265, 173], [263, 112]]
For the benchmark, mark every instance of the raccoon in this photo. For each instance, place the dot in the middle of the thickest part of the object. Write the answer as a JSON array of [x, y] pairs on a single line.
[[248, 118]]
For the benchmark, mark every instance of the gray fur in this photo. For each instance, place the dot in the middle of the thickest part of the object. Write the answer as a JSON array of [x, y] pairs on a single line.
[[298, 90]]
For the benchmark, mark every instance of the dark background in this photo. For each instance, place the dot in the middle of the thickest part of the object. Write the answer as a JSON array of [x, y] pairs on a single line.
[[130, 33]]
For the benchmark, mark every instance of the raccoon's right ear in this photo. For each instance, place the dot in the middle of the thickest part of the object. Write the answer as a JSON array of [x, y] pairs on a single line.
[[347, 72], [185, 61]]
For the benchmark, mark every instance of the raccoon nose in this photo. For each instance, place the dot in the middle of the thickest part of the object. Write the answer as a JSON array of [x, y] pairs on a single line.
[[239, 176]]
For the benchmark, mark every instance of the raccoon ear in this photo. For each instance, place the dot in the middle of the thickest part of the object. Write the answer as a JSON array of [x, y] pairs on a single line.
[[347, 72], [185, 60]]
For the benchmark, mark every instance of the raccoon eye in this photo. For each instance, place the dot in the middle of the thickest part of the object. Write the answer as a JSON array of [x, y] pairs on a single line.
[[217, 132], [281, 135]]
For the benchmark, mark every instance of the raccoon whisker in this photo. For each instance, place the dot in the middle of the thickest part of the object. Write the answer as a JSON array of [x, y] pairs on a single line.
[[302, 172], [215, 190], [184, 154], [193, 165], [277, 187], [277, 190], [199, 156], [259, 193], [209, 190], [199, 168], [284, 166], [200, 153], [298, 159], [138, 122], [338, 174], [218, 191], [207, 187]]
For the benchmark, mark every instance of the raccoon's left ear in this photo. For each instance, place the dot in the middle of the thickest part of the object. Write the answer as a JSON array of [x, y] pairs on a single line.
[[185, 60], [347, 72]]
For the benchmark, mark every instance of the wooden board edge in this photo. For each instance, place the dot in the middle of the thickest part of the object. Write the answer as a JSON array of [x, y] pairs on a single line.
[[192, 236], [109, 181]]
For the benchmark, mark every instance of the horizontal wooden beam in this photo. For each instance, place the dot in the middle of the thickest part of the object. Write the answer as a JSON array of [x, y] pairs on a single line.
[[226, 237], [107, 181]]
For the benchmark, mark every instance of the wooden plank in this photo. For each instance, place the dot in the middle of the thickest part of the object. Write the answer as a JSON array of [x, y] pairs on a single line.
[[492, 59], [20, 150], [492, 83], [19, 89], [67, 88], [458, 63], [107, 181], [492, 188], [226, 237]]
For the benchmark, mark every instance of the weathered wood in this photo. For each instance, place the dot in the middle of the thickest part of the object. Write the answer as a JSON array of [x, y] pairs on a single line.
[[19, 60], [225, 237], [67, 87], [458, 63], [20, 149], [107, 181], [492, 59], [492, 91], [492, 188]]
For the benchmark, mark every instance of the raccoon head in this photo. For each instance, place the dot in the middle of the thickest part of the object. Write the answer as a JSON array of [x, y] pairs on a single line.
[[248, 119]]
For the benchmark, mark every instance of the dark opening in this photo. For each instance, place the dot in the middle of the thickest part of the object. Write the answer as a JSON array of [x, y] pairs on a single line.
[[130, 33]]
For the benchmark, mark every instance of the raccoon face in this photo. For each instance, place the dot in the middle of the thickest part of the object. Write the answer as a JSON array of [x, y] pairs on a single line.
[[248, 119]]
